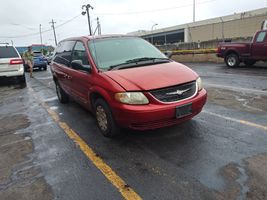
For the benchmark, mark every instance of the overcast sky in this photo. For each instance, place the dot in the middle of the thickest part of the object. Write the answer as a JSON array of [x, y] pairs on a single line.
[[20, 19]]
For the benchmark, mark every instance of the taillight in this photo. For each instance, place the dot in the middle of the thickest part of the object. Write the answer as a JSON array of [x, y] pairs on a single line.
[[16, 61]]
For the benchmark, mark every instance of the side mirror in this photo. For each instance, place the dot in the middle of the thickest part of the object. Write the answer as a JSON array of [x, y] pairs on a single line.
[[78, 65], [168, 54]]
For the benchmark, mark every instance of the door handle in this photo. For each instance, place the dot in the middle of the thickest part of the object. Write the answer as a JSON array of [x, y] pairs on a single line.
[[69, 77]]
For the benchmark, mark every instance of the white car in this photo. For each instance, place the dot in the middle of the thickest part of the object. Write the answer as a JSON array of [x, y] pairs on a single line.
[[11, 64]]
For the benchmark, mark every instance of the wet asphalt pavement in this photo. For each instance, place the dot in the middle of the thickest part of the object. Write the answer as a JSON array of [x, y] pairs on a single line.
[[220, 154]]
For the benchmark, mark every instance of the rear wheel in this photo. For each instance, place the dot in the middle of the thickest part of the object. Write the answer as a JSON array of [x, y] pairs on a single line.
[[105, 120], [249, 62], [61, 94], [232, 60], [22, 81]]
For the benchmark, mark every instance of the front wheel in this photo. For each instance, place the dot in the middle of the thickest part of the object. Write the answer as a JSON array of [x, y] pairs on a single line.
[[105, 120], [232, 60], [61, 94]]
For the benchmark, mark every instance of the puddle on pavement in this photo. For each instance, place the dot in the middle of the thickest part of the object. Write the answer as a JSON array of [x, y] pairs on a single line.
[[20, 178], [255, 104], [247, 181], [13, 123]]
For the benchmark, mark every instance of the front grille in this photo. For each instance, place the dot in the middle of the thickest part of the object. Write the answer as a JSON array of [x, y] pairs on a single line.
[[175, 93]]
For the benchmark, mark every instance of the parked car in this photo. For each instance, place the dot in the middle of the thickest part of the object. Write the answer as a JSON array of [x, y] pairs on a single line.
[[126, 82], [11, 64], [247, 52], [49, 58], [39, 61]]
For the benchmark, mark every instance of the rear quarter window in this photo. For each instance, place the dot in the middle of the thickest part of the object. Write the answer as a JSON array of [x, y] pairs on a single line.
[[261, 37], [63, 52], [8, 52]]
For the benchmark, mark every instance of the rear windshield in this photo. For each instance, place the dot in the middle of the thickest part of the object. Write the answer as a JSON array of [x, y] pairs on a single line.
[[8, 52], [37, 54]]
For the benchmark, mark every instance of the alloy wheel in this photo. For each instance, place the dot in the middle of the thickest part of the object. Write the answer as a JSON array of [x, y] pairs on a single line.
[[101, 118]]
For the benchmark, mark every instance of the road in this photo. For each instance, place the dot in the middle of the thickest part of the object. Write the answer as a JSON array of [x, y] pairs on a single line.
[[54, 151]]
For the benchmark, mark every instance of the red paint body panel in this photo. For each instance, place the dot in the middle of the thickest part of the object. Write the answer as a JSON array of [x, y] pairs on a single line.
[[254, 50], [155, 115], [82, 86], [153, 77]]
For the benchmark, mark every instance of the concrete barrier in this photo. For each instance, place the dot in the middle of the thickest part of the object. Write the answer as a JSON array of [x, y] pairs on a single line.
[[199, 57]]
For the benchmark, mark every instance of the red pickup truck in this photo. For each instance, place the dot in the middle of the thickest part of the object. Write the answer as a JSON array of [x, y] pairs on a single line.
[[247, 52]]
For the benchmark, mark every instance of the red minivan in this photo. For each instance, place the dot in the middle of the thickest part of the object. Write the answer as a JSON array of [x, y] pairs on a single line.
[[126, 82]]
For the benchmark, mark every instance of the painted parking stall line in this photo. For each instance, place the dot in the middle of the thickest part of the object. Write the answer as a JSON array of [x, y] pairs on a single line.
[[237, 120], [126, 191]]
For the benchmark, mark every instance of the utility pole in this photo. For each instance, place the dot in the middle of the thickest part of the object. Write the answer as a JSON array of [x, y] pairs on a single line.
[[87, 7], [98, 26], [53, 27], [40, 29], [194, 10]]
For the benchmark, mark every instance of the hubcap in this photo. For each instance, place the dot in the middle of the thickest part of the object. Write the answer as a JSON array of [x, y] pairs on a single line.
[[231, 61], [101, 118]]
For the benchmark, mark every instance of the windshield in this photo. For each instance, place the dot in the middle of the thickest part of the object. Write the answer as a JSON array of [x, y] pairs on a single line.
[[114, 51]]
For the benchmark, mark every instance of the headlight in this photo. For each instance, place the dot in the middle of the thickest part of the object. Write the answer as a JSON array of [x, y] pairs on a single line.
[[199, 84], [137, 98]]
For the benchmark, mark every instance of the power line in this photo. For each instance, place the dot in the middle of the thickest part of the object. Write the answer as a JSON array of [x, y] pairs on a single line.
[[47, 30], [155, 10]]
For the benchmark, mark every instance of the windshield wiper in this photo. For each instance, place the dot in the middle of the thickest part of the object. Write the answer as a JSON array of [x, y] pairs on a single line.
[[145, 59], [135, 62]]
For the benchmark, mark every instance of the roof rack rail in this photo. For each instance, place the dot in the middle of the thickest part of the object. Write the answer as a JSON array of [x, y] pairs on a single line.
[[6, 43]]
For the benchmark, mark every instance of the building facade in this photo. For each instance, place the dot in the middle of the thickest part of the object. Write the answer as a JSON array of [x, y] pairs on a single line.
[[238, 25]]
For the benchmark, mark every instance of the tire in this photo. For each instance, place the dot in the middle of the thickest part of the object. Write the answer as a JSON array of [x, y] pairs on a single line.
[[61, 94], [232, 60], [105, 120], [26, 68], [22, 81], [249, 62]]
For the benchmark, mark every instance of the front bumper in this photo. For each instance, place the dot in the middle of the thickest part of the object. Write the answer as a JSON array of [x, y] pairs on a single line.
[[152, 116]]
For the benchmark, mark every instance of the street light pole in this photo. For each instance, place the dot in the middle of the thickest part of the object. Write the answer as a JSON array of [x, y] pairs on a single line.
[[194, 10], [152, 33], [87, 7]]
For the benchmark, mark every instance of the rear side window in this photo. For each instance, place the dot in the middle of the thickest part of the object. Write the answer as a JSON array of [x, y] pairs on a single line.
[[261, 37], [8, 52], [63, 52]]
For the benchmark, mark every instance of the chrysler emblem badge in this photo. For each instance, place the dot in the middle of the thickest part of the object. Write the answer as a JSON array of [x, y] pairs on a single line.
[[178, 92]]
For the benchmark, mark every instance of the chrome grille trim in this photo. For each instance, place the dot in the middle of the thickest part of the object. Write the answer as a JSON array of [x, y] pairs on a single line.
[[161, 94]]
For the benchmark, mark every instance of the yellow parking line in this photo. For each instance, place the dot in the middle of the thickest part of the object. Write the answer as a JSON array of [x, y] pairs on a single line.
[[127, 192], [238, 120]]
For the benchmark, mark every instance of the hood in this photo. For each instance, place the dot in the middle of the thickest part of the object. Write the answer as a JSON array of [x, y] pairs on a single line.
[[152, 76]]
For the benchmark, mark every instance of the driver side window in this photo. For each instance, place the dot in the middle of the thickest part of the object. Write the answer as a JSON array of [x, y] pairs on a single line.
[[79, 53]]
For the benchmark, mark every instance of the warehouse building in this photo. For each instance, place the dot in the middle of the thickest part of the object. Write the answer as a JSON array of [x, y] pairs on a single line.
[[238, 25]]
